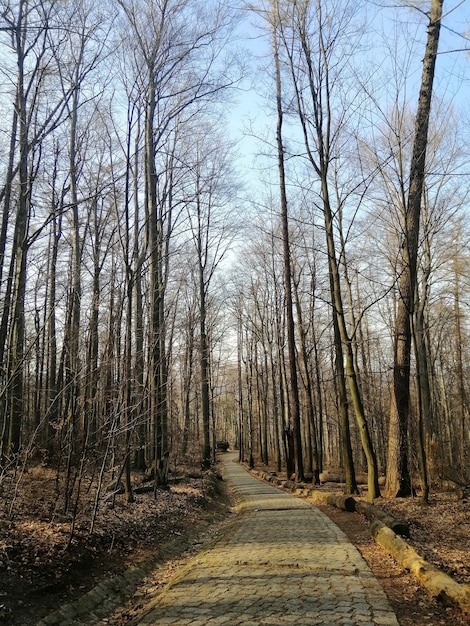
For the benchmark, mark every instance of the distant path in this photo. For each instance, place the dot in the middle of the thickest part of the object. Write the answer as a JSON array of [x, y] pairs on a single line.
[[283, 562]]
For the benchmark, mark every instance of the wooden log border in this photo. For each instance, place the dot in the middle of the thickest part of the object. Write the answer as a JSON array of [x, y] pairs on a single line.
[[438, 584], [386, 531]]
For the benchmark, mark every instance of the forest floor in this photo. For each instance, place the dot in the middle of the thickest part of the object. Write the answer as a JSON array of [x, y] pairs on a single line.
[[41, 569], [440, 532]]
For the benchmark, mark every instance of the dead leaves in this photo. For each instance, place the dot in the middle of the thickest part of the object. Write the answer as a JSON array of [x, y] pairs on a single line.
[[37, 571], [440, 531]]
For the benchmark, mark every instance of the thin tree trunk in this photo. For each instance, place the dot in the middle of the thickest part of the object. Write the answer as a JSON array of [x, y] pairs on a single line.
[[204, 357], [423, 403], [461, 408], [312, 426], [158, 402], [187, 380], [294, 400], [52, 409], [20, 251], [138, 324], [91, 369], [240, 395]]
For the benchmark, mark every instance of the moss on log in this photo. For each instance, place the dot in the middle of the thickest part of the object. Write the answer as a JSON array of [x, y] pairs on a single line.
[[373, 513], [439, 585]]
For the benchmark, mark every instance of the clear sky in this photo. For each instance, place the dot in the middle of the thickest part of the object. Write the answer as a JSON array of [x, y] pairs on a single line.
[[250, 117]]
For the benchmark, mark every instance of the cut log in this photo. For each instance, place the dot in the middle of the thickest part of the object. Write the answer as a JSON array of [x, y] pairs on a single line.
[[319, 497], [339, 477], [373, 513], [288, 484], [346, 503], [439, 585]]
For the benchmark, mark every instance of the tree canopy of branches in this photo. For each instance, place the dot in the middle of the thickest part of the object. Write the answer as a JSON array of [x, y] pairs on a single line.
[[155, 303]]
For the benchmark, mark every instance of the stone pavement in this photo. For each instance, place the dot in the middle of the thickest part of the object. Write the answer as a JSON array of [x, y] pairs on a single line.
[[283, 562]]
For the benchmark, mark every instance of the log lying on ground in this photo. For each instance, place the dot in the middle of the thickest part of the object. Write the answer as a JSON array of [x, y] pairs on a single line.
[[346, 503], [439, 585], [373, 513], [339, 477]]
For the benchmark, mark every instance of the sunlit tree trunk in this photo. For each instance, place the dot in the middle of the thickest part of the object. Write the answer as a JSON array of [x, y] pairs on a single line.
[[398, 469]]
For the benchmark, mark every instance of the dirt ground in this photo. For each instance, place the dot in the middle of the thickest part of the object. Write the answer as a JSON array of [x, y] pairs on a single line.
[[40, 568]]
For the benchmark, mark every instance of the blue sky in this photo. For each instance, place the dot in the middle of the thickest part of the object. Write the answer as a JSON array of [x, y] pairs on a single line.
[[407, 25]]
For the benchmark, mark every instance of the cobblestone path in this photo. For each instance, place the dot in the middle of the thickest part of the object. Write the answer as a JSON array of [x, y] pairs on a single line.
[[283, 562]]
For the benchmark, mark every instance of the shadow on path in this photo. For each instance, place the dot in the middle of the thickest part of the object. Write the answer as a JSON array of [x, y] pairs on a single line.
[[282, 562]]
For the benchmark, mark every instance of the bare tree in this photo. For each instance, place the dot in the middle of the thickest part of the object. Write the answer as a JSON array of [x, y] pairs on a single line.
[[26, 25], [398, 470], [175, 48], [294, 400], [212, 234], [311, 33]]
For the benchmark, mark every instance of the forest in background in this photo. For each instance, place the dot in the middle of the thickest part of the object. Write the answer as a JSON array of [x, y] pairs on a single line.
[[156, 301]]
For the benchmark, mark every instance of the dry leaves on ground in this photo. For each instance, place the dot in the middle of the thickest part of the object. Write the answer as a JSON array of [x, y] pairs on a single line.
[[38, 573], [40, 568]]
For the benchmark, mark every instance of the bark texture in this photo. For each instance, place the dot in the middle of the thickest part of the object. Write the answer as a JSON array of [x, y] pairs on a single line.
[[398, 471]]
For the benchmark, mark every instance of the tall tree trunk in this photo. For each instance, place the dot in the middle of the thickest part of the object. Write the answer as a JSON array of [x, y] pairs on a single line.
[[187, 379], [91, 368], [128, 391], [461, 409], [204, 364], [19, 257], [424, 404], [308, 390], [6, 309], [158, 405], [319, 89], [294, 400], [423, 366], [138, 323], [72, 334], [398, 471], [347, 348], [240, 395], [274, 366], [52, 408]]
